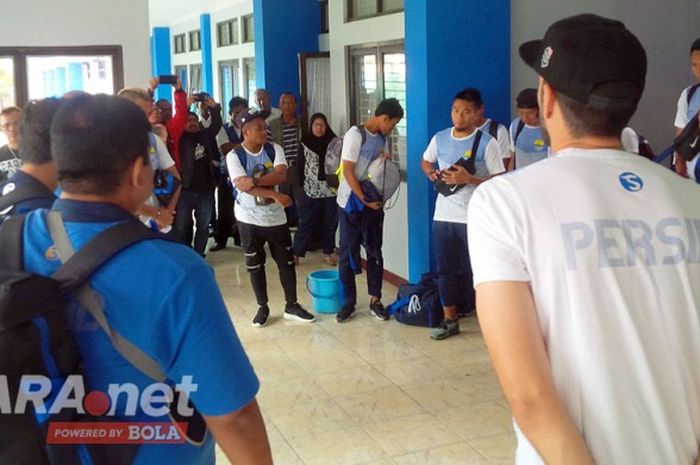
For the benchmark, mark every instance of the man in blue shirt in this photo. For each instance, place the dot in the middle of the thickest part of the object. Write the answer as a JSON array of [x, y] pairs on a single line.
[[37, 179], [105, 177]]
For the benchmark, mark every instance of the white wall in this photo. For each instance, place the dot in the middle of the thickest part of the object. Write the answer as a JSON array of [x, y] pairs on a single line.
[[342, 35], [34, 23]]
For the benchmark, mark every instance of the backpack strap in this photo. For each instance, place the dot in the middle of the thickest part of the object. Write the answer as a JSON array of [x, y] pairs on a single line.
[[12, 243], [493, 129], [475, 146], [518, 130], [242, 156], [270, 151], [22, 193], [78, 267], [691, 92]]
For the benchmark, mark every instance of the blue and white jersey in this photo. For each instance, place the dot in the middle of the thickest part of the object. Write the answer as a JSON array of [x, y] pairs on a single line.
[[247, 209], [163, 298], [445, 149], [530, 146], [362, 153], [685, 112]]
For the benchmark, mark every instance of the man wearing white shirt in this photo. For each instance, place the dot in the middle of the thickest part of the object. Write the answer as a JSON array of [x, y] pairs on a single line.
[[465, 157], [687, 109], [585, 267], [257, 168]]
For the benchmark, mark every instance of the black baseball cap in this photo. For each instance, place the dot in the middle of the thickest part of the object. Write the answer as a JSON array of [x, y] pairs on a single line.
[[527, 98], [581, 52], [249, 115]]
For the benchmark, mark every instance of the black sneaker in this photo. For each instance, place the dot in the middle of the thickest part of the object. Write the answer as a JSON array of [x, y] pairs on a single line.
[[378, 311], [260, 319], [345, 313], [298, 313]]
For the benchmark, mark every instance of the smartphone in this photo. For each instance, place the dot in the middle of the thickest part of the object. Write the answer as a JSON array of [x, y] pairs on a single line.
[[200, 96], [167, 79]]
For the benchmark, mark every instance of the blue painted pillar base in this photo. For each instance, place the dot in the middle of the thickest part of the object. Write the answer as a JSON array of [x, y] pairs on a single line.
[[160, 59], [449, 46], [281, 33]]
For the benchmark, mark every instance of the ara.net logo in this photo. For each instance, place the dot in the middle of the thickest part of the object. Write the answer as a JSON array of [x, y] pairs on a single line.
[[631, 182]]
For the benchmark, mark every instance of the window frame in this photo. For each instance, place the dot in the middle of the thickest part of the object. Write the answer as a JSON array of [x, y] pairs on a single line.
[[20, 55], [229, 25], [379, 7], [196, 33], [180, 43], [244, 30], [325, 16]]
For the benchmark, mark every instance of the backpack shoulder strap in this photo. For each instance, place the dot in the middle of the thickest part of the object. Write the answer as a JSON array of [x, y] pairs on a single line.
[[12, 243], [691, 92], [22, 193], [475, 147], [242, 156], [518, 130], [493, 129], [77, 265], [270, 151], [363, 132]]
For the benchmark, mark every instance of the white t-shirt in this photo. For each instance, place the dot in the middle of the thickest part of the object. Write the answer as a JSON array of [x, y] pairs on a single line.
[[247, 211], [453, 209], [160, 157], [622, 336], [352, 144], [502, 137]]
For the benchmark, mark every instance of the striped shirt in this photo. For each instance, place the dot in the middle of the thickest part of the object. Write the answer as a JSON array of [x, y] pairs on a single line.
[[290, 141]]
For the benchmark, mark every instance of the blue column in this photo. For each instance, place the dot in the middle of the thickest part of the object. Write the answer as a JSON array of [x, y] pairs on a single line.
[[449, 46], [160, 59], [75, 76], [281, 33], [207, 61]]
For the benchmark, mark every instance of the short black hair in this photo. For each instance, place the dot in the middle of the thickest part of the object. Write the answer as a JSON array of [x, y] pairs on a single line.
[[389, 107], [470, 94], [163, 100], [293, 95], [603, 117], [237, 102], [35, 130], [94, 140], [696, 46]]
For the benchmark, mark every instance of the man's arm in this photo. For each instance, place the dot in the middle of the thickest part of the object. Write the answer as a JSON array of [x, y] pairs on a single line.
[[216, 122], [510, 327], [429, 170], [242, 435], [349, 175]]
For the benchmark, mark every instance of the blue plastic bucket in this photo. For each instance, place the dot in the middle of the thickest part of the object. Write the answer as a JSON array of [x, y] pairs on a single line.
[[326, 290]]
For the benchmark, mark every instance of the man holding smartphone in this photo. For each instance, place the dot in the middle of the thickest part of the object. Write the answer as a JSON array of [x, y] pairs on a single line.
[[175, 124]]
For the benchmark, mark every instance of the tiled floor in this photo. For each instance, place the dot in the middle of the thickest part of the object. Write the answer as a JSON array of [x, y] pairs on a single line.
[[367, 391]]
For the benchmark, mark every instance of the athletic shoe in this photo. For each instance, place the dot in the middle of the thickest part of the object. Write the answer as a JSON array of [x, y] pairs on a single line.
[[378, 311], [345, 313], [446, 329], [298, 313], [260, 319]]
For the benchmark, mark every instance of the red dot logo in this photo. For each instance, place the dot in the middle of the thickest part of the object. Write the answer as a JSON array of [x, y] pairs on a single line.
[[96, 403]]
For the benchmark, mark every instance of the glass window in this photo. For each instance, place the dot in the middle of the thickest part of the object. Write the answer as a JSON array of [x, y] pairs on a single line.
[[182, 72], [379, 73], [195, 78], [228, 79], [390, 6], [248, 31], [194, 41], [7, 82], [361, 9], [53, 76], [228, 32], [249, 76], [179, 43]]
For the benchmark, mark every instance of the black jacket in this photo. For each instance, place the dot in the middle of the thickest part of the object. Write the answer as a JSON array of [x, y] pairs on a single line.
[[207, 138]]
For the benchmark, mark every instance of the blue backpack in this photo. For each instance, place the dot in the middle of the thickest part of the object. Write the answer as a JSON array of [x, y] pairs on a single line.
[[418, 304]]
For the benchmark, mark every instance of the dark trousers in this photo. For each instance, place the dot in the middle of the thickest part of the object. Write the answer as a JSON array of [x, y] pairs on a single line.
[[455, 278], [202, 204], [225, 220], [361, 229], [316, 215], [253, 239]]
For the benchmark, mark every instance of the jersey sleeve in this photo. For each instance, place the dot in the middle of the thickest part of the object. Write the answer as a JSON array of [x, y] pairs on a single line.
[[496, 247], [431, 152], [165, 161], [511, 135], [233, 164], [630, 140], [352, 143], [493, 158], [503, 141], [682, 110], [194, 324], [280, 159]]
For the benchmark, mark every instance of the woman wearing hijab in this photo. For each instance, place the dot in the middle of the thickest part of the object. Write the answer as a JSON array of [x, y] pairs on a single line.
[[318, 206]]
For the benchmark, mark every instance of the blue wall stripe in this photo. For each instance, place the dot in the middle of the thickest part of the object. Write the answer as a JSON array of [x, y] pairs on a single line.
[[160, 59], [448, 47], [280, 35], [207, 60]]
